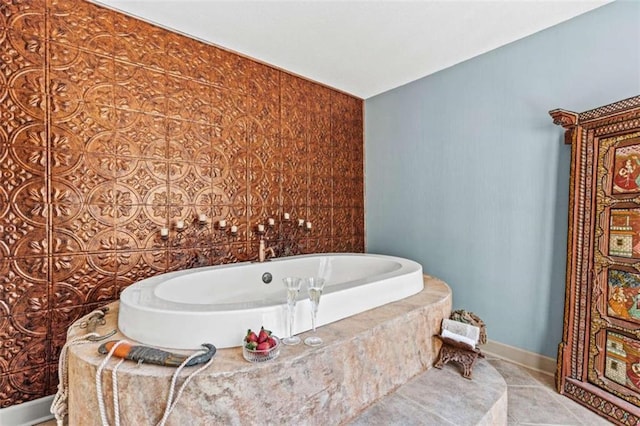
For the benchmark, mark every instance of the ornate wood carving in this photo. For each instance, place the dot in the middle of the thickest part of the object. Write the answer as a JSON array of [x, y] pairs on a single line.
[[566, 119], [459, 352], [597, 359]]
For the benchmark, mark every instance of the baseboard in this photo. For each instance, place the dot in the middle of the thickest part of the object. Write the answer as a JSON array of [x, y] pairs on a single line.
[[531, 360], [28, 413]]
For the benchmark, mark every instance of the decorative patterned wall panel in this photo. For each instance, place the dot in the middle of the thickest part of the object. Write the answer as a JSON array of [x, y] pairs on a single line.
[[111, 128]]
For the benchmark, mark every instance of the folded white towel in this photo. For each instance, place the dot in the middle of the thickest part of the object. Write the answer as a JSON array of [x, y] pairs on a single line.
[[458, 338], [462, 329]]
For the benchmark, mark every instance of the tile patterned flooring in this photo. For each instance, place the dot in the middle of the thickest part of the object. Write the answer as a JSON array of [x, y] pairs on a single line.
[[532, 401], [442, 397]]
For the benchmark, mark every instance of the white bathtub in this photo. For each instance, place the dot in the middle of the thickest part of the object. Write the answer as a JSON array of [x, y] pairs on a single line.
[[217, 304]]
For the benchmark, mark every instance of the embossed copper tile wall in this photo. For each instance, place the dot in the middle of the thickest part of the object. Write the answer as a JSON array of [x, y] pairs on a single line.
[[111, 128]]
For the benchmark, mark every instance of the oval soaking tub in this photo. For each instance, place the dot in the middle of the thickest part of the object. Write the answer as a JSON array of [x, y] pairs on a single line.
[[217, 304]]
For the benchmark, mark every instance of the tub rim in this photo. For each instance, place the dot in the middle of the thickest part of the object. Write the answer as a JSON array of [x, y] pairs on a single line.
[[158, 305]]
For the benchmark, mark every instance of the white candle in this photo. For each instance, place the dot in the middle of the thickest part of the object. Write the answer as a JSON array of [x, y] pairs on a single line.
[[300, 222], [261, 228], [180, 224], [202, 217], [234, 229], [286, 216], [308, 225], [222, 223], [271, 221], [164, 232]]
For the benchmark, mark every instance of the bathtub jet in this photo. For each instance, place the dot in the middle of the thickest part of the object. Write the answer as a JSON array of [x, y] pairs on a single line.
[[182, 309]]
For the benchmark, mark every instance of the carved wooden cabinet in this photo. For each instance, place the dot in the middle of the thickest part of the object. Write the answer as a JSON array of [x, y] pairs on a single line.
[[599, 356]]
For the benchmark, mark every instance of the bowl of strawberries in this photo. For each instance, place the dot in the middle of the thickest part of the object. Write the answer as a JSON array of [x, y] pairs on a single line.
[[260, 347]]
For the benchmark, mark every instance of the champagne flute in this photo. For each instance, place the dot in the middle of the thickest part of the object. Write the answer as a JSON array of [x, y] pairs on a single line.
[[315, 286], [292, 285]]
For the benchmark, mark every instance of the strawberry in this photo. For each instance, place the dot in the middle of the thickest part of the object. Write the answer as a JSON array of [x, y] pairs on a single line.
[[251, 346], [263, 347], [272, 342], [264, 335], [251, 336]]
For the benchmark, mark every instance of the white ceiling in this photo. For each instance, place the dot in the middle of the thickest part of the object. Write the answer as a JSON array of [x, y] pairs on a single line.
[[360, 47]]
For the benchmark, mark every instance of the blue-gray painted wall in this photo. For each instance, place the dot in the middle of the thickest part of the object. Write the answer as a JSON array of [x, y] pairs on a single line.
[[466, 173]]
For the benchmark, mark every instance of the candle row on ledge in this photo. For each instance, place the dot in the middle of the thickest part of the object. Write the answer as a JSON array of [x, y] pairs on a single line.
[[180, 226], [302, 223], [286, 217], [222, 225]]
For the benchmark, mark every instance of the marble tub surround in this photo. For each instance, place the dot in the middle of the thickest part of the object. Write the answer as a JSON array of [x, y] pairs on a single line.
[[364, 357], [522, 409]]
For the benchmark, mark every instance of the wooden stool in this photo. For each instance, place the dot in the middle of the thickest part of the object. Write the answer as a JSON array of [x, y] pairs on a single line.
[[463, 353]]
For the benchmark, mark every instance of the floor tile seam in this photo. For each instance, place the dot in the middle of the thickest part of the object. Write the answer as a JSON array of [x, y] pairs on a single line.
[[545, 373], [525, 369], [541, 383], [522, 383], [560, 399], [495, 407], [519, 381], [569, 404], [521, 366], [423, 407], [554, 399], [545, 424], [511, 421], [511, 413], [550, 395], [528, 386]]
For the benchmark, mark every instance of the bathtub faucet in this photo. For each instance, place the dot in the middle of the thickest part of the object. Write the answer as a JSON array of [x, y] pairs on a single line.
[[264, 251]]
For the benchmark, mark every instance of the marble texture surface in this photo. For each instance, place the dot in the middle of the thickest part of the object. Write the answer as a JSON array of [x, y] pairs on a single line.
[[396, 410], [533, 399], [443, 397], [365, 357]]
